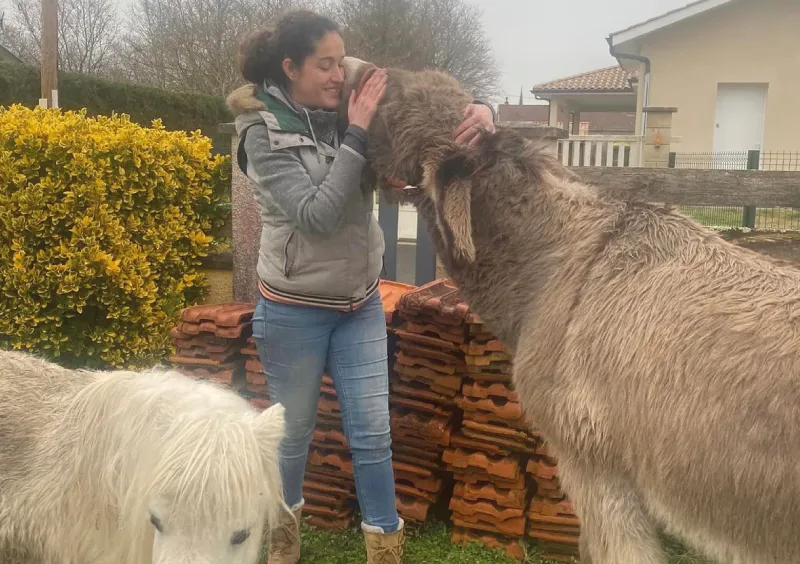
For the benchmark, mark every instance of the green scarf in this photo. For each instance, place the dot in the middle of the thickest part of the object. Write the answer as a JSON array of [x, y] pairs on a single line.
[[324, 122], [287, 118]]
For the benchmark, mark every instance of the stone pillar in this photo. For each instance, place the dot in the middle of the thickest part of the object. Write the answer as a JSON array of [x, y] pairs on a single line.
[[529, 130], [246, 228], [576, 122], [553, 118], [640, 90], [657, 137]]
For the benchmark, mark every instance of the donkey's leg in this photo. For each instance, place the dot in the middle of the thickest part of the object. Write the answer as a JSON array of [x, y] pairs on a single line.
[[615, 528]]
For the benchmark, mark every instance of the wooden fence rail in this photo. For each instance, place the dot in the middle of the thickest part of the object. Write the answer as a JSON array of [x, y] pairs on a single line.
[[667, 186], [699, 187]]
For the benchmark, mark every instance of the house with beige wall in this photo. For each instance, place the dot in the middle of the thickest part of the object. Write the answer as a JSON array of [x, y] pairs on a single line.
[[729, 68]]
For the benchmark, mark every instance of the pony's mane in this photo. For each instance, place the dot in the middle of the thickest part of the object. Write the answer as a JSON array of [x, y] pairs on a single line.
[[187, 441]]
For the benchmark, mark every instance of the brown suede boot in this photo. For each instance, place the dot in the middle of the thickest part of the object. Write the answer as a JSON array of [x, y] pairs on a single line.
[[383, 548], [284, 545]]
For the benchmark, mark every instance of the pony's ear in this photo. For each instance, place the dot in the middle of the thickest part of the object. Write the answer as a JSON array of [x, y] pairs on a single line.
[[449, 186], [270, 426]]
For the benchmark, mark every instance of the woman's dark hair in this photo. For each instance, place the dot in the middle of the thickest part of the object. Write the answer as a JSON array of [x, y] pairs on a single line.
[[295, 36]]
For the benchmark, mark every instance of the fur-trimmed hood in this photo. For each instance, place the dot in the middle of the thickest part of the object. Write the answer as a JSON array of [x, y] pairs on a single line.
[[253, 103], [243, 100]]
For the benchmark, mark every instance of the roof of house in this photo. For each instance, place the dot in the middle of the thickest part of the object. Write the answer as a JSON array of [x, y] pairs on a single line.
[[609, 79], [7, 55], [659, 22]]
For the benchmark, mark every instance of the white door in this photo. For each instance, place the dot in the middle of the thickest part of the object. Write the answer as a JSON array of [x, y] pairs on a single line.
[[739, 125]]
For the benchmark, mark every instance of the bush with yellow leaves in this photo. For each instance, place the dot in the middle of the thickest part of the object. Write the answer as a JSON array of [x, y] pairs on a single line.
[[103, 224]]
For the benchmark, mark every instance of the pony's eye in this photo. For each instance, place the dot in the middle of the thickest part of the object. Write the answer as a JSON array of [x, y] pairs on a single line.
[[156, 522], [239, 537]]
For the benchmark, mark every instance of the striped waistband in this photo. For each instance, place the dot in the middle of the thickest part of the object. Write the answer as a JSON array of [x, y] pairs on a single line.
[[339, 304]]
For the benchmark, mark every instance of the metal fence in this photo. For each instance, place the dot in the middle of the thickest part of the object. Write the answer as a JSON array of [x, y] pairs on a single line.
[[786, 161], [766, 219], [727, 160]]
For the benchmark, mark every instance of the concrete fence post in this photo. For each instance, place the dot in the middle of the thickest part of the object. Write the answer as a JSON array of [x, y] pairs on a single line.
[[749, 212], [658, 137], [246, 228]]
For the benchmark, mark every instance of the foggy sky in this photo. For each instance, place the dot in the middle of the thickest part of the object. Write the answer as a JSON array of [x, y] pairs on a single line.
[[541, 40], [537, 41]]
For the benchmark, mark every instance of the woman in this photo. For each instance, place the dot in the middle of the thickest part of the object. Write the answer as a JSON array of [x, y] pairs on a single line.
[[321, 255]]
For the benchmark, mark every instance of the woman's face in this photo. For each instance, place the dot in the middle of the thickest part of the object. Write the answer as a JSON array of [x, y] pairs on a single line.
[[318, 82]]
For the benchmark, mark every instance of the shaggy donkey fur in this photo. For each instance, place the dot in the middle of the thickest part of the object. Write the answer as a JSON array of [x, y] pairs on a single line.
[[659, 360], [131, 468]]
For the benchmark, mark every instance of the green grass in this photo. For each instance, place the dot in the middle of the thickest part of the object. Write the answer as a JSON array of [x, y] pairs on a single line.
[[730, 216], [430, 545]]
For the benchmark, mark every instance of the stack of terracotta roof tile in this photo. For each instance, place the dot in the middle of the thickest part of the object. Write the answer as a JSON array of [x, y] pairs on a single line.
[[490, 494], [329, 487], [391, 292], [488, 451], [208, 340], [511, 547], [255, 388], [426, 379], [552, 521]]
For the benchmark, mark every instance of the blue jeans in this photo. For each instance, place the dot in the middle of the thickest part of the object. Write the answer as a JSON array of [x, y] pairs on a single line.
[[297, 344]]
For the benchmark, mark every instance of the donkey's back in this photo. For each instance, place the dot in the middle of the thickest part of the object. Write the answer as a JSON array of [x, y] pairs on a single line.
[[680, 392]]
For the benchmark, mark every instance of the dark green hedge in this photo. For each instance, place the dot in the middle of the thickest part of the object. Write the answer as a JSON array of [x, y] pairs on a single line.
[[20, 84]]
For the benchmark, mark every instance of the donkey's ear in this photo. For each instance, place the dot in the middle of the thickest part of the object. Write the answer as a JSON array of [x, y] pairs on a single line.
[[354, 70], [270, 426], [449, 185]]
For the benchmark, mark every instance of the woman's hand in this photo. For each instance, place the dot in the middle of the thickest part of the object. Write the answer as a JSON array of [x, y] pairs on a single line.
[[362, 106], [476, 117]]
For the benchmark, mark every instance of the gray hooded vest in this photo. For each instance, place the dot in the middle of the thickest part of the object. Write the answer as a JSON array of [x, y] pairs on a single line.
[[320, 241]]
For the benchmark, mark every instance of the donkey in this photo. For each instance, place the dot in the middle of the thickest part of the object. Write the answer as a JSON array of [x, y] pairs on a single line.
[[660, 361], [134, 468]]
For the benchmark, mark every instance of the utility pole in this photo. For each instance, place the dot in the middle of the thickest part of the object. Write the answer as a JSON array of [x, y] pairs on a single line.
[[49, 54]]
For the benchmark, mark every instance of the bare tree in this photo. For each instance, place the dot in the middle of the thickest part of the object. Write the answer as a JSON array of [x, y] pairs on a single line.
[[88, 33], [417, 34], [191, 44], [457, 43]]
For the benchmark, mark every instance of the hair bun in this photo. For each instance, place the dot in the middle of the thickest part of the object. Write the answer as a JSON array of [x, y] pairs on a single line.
[[256, 53], [262, 53]]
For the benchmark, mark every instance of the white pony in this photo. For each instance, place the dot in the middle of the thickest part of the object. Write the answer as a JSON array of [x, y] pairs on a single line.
[[132, 468]]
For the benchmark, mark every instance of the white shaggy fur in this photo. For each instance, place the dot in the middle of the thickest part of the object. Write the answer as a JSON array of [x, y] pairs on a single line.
[[88, 460]]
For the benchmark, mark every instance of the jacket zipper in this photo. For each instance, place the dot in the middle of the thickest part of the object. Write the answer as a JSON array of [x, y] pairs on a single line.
[[287, 268]]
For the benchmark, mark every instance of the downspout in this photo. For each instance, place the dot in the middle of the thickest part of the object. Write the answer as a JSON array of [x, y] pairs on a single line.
[[645, 81]]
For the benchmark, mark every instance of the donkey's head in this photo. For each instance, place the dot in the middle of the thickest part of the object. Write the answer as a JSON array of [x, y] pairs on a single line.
[[411, 143], [216, 486]]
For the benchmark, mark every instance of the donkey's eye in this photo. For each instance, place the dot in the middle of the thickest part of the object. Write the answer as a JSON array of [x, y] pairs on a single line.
[[156, 522], [239, 537]]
